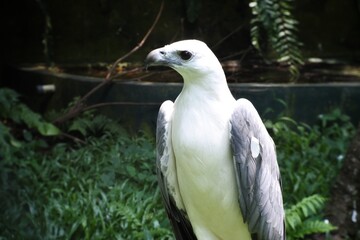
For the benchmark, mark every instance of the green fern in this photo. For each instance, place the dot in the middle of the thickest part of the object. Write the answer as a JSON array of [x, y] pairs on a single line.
[[310, 227], [90, 124], [276, 18], [300, 221]]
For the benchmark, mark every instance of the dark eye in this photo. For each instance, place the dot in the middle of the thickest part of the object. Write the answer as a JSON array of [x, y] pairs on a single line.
[[185, 55]]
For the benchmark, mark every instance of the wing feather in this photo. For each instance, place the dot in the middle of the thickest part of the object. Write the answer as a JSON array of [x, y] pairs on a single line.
[[166, 174], [257, 174]]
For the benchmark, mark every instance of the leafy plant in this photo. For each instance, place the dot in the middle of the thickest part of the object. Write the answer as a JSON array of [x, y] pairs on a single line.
[[12, 109], [92, 124], [310, 157], [18, 122], [105, 189], [85, 193], [276, 19], [301, 219]]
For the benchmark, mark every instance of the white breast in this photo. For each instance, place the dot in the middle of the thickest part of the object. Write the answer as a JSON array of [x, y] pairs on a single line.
[[204, 165]]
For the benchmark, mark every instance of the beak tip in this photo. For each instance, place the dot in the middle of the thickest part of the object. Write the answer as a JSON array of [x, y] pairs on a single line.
[[151, 57], [154, 58]]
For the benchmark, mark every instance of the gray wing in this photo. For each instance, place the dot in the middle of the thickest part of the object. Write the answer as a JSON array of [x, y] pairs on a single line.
[[178, 218], [257, 173]]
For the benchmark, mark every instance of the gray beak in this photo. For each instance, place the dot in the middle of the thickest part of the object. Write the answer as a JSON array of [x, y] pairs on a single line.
[[156, 57]]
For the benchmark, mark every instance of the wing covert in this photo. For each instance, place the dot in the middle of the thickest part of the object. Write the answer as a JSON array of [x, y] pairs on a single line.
[[257, 173]]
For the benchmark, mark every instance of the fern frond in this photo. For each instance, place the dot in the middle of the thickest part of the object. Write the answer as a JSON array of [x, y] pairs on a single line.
[[303, 209], [300, 221], [90, 124], [276, 18], [313, 226]]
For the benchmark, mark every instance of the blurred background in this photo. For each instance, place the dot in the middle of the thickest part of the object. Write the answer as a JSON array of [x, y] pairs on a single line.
[[102, 30]]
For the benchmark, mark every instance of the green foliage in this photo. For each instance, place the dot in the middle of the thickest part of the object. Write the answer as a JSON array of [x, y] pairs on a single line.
[[18, 122], [12, 109], [276, 19], [92, 124], [106, 188], [301, 218], [310, 156]]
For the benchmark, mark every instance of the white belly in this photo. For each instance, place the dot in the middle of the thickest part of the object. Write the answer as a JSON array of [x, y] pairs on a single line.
[[206, 175]]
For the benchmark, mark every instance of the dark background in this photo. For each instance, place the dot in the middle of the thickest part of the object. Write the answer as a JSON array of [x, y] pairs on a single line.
[[103, 30]]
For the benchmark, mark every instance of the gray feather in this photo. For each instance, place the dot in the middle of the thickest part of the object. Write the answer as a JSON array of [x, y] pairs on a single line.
[[258, 178]]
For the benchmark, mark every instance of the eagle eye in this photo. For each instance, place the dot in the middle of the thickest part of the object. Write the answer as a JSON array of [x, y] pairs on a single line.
[[185, 55]]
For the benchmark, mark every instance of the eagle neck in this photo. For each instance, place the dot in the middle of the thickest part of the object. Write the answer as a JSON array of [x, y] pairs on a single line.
[[208, 87]]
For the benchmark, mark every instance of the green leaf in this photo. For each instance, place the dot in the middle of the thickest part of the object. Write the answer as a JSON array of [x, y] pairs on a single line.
[[131, 170], [47, 129]]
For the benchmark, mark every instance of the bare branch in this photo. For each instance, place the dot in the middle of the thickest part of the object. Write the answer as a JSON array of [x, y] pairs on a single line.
[[139, 45], [75, 139], [80, 105], [122, 103], [227, 36]]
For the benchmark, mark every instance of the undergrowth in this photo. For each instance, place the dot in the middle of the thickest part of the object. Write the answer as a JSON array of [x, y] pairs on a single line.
[[87, 192], [54, 188], [310, 156]]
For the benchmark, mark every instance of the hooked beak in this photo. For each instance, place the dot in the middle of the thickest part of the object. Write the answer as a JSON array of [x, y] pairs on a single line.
[[156, 57], [161, 57]]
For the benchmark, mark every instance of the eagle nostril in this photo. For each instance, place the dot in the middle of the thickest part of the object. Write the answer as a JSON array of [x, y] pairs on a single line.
[[163, 53]]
